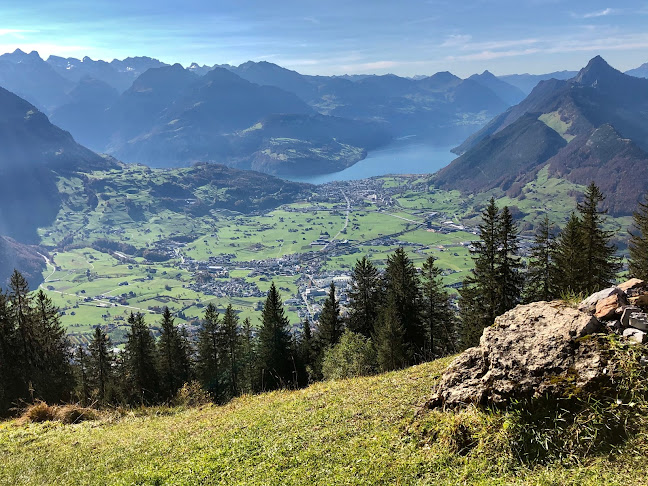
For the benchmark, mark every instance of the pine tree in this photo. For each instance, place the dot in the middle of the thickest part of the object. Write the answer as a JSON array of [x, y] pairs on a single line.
[[437, 314], [100, 364], [308, 351], [389, 337], [542, 275], [509, 277], [569, 257], [248, 359], [230, 359], [142, 379], [600, 264], [479, 296], [402, 286], [83, 382], [207, 365], [274, 344], [330, 327], [172, 357], [365, 296], [638, 245], [11, 383]]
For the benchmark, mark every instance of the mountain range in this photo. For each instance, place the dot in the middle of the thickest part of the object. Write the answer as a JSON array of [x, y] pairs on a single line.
[[592, 127]]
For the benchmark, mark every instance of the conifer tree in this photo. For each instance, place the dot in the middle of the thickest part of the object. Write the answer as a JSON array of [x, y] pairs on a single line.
[[478, 298], [207, 364], [172, 357], [402, 287], [100, 364], [142, 379], [365, 297], [389, 337], [330, 327], [542, 275], [569, 257], [509, 277], [83, 383], [600, 264], [274, 344], [10, 376], [638, 245], [248, 359], [437, 314], [308, 351], [230, 358]]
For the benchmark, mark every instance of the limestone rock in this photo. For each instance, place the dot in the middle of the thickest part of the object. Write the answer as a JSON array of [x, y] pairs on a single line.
[[635, 335], [530, 351], [632, 286], [627, 312], [589, 304], [606, 308], [639, 320]]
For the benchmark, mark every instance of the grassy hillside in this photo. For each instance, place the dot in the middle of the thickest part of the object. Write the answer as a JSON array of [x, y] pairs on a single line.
[[370, 430]]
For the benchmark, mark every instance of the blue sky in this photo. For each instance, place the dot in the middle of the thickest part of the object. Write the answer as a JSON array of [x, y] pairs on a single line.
[[404, 37]]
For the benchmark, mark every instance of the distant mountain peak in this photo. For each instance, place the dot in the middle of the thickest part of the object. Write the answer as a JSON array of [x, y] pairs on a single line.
[[596, 70]]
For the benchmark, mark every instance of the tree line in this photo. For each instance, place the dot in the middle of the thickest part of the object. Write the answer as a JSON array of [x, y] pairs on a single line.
[[396, 317]]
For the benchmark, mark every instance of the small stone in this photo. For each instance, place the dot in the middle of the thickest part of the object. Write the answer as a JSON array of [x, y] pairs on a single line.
[[606, 308], [635, 335], [640, 300], [589, 304], [639, 321], [627, 312], [614, 326]]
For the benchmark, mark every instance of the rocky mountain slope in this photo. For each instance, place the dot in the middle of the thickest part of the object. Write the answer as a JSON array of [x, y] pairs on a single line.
[[601, 115]]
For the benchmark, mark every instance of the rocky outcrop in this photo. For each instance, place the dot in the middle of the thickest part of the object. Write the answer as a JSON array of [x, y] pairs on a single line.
[[530, 351], [546, 349]]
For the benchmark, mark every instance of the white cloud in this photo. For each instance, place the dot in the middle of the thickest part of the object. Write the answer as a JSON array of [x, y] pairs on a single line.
[[598, 13], [457, 40]]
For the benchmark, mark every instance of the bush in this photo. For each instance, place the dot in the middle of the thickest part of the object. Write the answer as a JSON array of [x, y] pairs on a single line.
[[39, 412], [192, 395], [353, 356], [67, 414]]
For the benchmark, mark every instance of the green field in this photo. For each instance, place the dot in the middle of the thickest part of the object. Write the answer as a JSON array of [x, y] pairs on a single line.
[[96, 285]]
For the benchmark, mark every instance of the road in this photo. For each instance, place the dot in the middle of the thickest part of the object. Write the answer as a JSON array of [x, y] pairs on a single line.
[[346, 222]]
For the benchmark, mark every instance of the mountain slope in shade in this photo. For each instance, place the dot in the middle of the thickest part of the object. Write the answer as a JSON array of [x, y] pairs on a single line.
[[640, 72], [510, 94], [601, 115], [526, 82], [27, 259], [32, 153]]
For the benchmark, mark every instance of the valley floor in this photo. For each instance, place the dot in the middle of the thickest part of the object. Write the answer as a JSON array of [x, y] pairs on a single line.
[[371, 430]]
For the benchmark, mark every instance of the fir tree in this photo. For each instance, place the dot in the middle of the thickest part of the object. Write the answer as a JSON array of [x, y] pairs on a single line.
[[638, 245], [479, 296], [230, 354], [600, 264], [248, 359], [100, 364], [509, 278], [402, 287], [83, 382], [308, 351], [274, 343], [365, 297], [140, 361], [330, 327], [389, 337], [569, 257], [173, 358], [208, 346], [542, 275], [437, 314]]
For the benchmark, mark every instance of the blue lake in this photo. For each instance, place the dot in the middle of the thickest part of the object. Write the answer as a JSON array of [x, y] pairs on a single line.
[[399, 158]]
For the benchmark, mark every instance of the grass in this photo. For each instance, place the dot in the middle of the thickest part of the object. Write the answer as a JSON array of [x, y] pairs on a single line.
[[370, 430]]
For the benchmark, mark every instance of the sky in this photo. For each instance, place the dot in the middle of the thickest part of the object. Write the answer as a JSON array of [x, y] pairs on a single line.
[[404, 37]]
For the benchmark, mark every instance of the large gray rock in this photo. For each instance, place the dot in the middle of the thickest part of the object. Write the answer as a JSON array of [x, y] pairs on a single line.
[[589, 304], [530, 351]]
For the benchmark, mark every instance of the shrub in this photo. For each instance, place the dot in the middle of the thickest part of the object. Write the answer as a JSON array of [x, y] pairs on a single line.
[[192, 395], [39, 412], [353, 356]]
